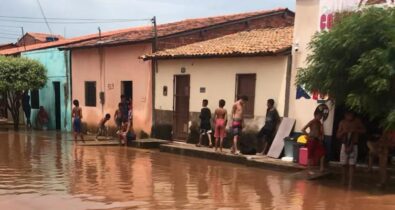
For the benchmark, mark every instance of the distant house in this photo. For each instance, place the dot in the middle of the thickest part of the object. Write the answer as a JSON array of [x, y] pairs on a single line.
[[105, 68], [255, 63], [7, 46], [36, 38], [55, 96]]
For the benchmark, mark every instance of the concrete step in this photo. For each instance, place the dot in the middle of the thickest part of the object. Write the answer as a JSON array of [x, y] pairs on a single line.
[[148, 143], [248, 160]]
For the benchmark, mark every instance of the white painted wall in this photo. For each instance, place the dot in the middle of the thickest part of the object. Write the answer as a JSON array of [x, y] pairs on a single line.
[[218, 76], [306, 25]]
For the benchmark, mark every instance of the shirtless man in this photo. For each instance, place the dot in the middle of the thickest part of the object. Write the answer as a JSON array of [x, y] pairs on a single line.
[[237, 121], [220, 121], [316, 151], [77, 116], [348, 132]]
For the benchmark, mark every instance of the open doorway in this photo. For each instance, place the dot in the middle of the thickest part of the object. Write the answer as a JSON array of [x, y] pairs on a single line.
[[127, 89], [56, 86]]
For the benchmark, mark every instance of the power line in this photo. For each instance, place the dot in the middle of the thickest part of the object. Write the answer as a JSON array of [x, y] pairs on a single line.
[[45, 19], [10, 26], [69, 22], [10, 36], [3, 37], [5, 29], [77, 19], [5, 33]]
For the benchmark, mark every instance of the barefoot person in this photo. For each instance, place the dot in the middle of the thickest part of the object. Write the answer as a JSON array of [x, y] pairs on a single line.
[[77, 116], [205, 123], [118, 117], [316, 150], [350, 128], [102, 126], [237, 121], [266, 134], [220, 121]]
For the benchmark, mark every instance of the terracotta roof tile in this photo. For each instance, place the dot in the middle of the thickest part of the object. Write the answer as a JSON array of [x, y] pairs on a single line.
[[136, 34], [254, 42], [61, 42], [146, 33], [43, 37], [370, 2]]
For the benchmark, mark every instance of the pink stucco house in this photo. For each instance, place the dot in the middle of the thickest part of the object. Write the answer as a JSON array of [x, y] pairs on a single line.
[[106, 67]]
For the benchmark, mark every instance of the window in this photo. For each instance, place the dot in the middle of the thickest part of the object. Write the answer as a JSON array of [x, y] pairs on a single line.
[[35, 99], [90, 93], [127, 89], [245, 86]]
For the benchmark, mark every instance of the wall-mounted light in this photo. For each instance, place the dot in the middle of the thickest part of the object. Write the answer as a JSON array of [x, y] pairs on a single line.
[[295, 46]]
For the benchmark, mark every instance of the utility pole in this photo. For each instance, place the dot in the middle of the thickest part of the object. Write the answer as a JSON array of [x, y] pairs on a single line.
[[155, 31], [154, 64], [99, 29], [23, 33]]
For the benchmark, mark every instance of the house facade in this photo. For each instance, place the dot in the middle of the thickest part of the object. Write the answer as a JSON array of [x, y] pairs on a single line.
[[105, 68], [55, 96], [254, 63], [313, 16]]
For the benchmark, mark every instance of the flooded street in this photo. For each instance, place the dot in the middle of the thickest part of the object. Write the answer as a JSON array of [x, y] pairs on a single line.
[[45, 171]]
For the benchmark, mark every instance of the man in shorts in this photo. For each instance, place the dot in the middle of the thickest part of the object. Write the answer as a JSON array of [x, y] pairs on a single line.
[[350, 128], [266, 134], [205, 124], [237, 122]]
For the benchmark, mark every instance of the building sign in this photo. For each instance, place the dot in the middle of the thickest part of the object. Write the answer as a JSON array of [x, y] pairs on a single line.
[[328, 8]]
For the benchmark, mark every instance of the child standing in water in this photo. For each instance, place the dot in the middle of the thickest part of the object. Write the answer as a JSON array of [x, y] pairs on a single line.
[[350, 128], [77, 116], [316, 150], [221, 119]]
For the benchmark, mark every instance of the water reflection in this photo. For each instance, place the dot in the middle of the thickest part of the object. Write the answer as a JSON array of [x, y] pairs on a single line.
[[46, 171]]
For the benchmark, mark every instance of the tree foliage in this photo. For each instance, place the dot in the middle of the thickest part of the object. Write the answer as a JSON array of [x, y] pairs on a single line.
[[16, 76], [354, 63]]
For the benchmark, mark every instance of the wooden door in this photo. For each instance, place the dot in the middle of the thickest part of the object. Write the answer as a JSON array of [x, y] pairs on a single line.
[[181, 107], [245, 86]]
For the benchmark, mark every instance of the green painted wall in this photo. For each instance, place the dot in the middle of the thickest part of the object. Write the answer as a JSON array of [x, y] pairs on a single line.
[[57, 64]]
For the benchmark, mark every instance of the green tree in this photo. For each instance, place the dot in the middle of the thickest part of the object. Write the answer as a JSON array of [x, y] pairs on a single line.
[[354, 63], [16, 76]]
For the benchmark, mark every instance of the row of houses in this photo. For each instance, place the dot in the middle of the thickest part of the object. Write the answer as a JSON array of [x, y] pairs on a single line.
[[168, 75]]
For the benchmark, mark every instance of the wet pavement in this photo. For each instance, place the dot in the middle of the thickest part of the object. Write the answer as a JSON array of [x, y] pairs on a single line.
[[46, 171]]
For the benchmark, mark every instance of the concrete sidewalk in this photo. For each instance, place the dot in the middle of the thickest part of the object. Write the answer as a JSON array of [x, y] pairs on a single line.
[[248, 160]]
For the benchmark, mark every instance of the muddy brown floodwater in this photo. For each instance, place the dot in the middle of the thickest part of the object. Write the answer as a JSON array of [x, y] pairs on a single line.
[[45, 171]]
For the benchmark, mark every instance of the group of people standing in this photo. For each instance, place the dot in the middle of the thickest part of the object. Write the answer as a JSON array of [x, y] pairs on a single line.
[[220, 122], [349, 131], [123, 117]]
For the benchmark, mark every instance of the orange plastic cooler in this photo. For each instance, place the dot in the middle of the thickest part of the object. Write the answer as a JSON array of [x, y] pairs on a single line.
[[303, 156]]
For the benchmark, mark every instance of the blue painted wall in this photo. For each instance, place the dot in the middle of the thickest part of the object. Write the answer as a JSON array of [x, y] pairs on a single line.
[[57, 64]]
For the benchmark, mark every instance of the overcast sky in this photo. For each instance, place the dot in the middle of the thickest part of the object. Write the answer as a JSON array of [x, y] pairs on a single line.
[[164, 10]]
